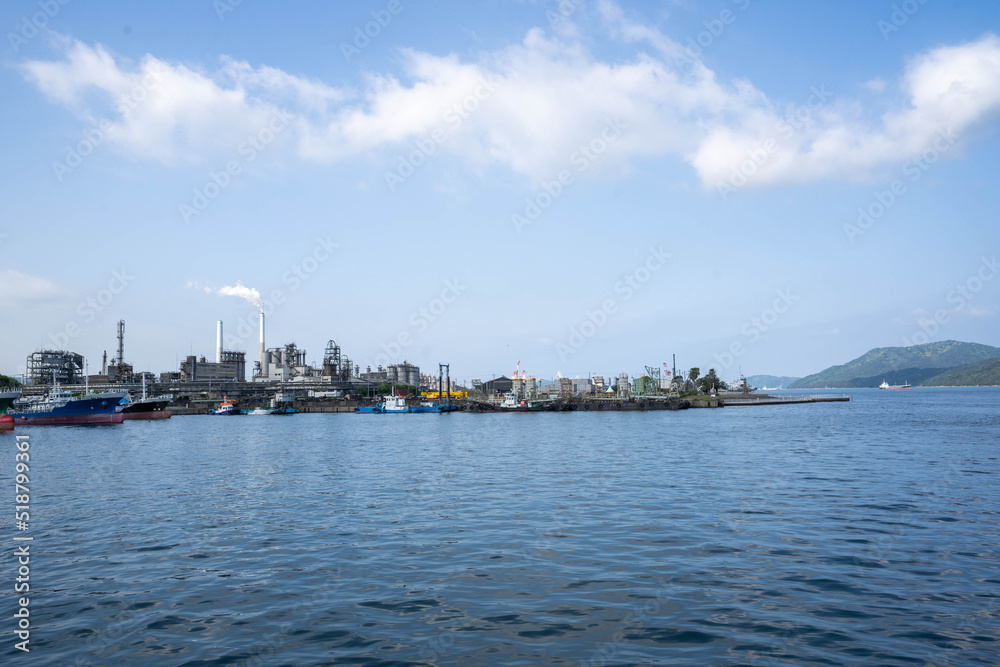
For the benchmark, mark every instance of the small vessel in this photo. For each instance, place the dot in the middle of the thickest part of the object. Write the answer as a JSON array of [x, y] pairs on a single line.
[[886, 385], [397, 405], [60, 407], [510, 402], [281, 404], [226, 408]]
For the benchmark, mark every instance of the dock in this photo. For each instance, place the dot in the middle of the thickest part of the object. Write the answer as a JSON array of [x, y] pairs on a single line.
[[784, 400]]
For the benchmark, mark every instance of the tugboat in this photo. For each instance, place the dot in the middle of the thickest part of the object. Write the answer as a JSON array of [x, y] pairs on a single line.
[[226, 408]]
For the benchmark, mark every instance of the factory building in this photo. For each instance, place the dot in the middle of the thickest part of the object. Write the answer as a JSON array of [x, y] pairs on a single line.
[[500, 385], [228, 366], [379, 375], [404, 373], [48, 366], [284, 364], [232, 368]]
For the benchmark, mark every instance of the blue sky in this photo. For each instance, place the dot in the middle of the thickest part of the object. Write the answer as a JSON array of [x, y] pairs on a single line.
[[190, 148]]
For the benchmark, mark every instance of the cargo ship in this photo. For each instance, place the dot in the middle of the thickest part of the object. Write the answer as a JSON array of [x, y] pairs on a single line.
[[146, 408], [886, 385], [60, 407]]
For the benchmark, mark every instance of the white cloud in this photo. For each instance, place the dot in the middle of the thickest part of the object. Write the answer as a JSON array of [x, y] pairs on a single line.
[[20, 288], [948, 90], [551, 96]]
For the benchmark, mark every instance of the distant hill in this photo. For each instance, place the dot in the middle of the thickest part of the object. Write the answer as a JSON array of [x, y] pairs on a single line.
[[980, 374], [770, 381], [916, 364]]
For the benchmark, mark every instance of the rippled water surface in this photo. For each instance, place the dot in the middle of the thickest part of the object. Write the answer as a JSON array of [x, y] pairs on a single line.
[[845, 533]]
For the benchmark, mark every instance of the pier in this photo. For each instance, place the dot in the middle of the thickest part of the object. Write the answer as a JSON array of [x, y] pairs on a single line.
[[764, 399]]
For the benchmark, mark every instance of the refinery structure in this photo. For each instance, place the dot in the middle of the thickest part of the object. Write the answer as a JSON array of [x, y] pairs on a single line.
[[199, 377]]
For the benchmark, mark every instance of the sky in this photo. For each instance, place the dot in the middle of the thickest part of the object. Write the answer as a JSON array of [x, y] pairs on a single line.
[[584, 187]]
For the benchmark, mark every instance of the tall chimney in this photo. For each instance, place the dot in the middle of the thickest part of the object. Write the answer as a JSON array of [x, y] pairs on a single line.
[[218, 343], [263, 368]]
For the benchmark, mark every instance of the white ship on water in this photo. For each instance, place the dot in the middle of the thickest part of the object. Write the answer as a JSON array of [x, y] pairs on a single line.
[[886, 385]]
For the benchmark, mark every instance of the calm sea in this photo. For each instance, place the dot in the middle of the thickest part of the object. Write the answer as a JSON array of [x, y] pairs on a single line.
[[845, 533]]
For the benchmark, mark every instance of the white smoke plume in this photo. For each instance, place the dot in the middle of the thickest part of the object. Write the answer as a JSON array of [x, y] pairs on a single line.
[[240, 290]]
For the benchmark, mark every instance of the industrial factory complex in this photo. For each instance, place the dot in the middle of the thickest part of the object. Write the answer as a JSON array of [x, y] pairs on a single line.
[[336, 384], [200, 381], [283, 374]]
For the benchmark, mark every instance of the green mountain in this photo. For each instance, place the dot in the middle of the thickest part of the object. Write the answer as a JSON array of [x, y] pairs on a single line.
[[980, 374], [770, 380], [916, 364]]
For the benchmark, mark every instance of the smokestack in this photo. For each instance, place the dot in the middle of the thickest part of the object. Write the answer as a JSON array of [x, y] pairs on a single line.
[[263, 368], [218, 343]]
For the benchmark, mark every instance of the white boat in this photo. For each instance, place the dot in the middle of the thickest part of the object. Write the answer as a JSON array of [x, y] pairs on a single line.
[[395, 404], [510, 402], [281, 404]]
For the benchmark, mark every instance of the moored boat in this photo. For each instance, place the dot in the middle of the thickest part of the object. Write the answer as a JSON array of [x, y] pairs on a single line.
[[60, 407], [398, 405], [147, 407], [281, 404], [226, 408]]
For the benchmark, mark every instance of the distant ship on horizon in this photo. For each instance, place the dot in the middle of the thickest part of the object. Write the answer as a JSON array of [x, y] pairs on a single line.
[[886, 385]]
